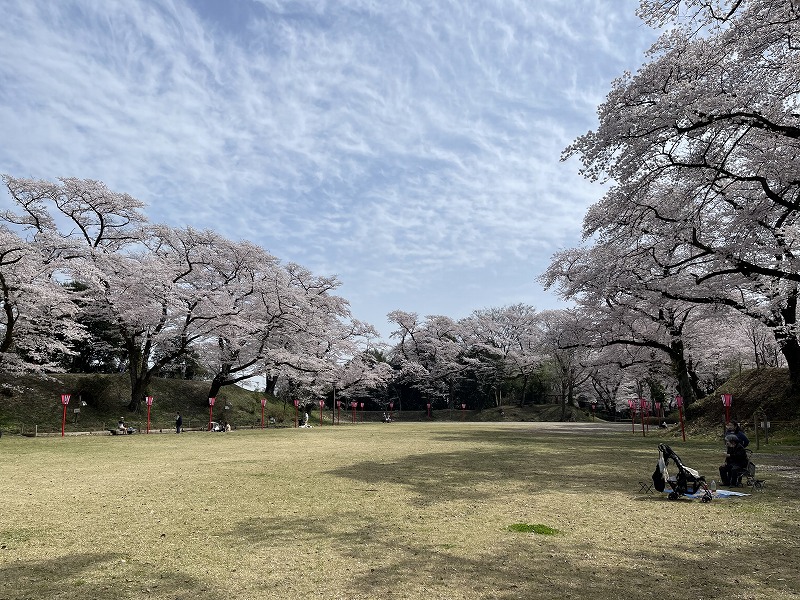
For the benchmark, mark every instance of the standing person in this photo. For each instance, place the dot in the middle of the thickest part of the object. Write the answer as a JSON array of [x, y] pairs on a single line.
[[735, 461], [178, 422], [737, 431], [733, 428]]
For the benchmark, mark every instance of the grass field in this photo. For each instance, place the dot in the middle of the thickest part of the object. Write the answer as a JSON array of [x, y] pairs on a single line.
[[405, 510]]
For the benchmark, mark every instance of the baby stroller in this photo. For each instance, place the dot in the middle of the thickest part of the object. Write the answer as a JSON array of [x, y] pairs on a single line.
[[685, 481]]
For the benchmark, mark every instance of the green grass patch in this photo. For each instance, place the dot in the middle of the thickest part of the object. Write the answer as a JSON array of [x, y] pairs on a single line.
[[533, 528]]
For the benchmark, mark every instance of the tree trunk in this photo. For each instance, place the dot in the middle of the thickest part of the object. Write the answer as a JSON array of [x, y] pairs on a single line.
[[788, 343], [11, 319], [681, 370], [563, 401], [139, 387], [139, 375], [524, 389], [269, 387], [790, 348], [216, 385], [222, 378]]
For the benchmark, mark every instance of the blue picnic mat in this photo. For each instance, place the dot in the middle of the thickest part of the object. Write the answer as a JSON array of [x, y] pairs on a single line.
[[717, 494]]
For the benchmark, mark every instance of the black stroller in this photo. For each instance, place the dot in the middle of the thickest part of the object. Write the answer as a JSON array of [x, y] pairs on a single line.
[[685, 481]]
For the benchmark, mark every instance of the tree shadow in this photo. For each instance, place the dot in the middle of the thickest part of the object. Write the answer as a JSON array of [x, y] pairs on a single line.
[[76, 577], [383, 560], [466, 473], [374, 561]]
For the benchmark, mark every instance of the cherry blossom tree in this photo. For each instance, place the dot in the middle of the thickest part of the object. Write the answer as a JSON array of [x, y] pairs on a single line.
[[205, 293], [430, 355], [62, 224], [310, 337], [609, 367], [363, 375], [473, 358], [507, 340], [37, 318], [252, 295], [563, 338], [160, 286], [620, 307], [701, 146]]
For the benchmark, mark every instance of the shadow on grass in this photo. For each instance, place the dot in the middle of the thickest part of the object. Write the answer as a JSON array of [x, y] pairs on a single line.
[[513, 457], [76, 577], [373, 561], [532, 567]]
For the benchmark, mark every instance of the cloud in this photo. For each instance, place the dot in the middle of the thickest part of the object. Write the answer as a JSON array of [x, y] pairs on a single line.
[[398, 144]]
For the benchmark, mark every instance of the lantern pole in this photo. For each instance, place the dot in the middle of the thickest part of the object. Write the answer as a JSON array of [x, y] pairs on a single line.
[[679, 402], [149, 400], [632, 407], [64, 400], [642, 405]]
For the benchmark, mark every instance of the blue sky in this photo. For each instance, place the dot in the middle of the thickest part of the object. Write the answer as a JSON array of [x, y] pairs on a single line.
[[409, 147]]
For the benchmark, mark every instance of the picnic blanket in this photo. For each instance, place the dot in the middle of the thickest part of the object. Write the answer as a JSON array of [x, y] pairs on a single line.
[[718, 494]]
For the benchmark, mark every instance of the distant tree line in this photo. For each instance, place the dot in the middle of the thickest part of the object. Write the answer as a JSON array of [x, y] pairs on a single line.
[[90, 285]]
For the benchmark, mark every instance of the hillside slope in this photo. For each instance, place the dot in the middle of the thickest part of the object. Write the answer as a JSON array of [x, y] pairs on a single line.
[[757, 393], [27, 401]]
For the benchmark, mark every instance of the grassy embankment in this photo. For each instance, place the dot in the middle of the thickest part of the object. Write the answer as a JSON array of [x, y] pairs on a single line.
[[28, 402]]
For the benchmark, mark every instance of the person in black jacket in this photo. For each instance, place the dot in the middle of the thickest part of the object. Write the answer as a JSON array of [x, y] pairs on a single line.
[[735, 428], [178, 422], [735, 461]]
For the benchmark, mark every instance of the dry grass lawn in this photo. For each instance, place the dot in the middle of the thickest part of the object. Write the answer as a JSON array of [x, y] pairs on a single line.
[[406, 510]]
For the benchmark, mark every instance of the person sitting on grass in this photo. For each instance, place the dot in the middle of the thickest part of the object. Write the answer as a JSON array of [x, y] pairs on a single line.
[[735, 461]]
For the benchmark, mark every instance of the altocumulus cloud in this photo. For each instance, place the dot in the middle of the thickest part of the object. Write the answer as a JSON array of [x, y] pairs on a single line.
[[411, 148]]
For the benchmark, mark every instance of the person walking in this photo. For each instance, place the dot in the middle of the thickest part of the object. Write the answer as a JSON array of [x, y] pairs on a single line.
[[178, 422]]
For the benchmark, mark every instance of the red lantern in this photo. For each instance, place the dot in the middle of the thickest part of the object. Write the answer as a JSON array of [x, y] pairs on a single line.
[[727, 399]]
